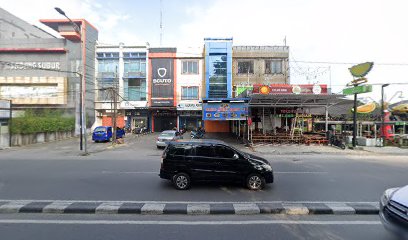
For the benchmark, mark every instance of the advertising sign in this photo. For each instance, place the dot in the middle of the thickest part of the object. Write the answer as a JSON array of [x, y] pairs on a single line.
[[225, 111], [358, 89], [162, 82], [290, 89], [189, 106]]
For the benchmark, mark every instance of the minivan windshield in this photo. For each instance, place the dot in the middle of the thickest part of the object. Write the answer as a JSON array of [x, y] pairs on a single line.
[[167, 134]]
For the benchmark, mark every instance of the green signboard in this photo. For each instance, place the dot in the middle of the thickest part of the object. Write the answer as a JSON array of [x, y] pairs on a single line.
[[358, 89]]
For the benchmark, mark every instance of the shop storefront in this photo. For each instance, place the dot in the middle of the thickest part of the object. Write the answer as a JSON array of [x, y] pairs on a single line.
[[163, 119], [137, 118], [219, 114], [189, 116]]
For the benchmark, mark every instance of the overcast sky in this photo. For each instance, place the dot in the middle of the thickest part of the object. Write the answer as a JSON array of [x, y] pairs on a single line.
[[343, 31]]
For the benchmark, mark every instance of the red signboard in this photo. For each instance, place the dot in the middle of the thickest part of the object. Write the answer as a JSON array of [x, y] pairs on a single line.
[[291, 89]]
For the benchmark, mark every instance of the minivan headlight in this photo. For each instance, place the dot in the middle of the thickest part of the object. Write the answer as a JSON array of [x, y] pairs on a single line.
[[385, 198], [265, 167]]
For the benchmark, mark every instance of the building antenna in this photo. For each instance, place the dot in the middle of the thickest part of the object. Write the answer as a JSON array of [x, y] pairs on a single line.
[[161, 24]]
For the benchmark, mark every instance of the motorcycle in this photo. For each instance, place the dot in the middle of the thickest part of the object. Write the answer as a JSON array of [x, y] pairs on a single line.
[[338, 142], [197, 134]]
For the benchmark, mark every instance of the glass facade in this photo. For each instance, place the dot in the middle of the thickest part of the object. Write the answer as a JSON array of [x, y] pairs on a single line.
[[218, 84], [134, 82]]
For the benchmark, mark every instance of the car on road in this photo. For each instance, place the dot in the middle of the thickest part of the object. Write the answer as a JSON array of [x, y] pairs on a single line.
[[187, 161], [166, 136], [104, 134], [394, 211]]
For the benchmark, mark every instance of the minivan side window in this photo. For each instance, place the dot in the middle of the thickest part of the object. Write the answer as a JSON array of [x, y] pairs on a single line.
[[223, 152], [179, 150], [204, 151]]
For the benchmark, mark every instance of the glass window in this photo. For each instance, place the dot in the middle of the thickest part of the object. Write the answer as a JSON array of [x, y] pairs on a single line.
[[273, 66], [204, 151], [135, 65], [108, 65], [245, 67], [135, 89], [189, 93], [189, 67], [224, 152], [218, 76]]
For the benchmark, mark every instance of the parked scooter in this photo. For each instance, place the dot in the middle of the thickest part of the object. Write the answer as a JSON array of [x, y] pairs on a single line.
[[338, 142], [197, 134]]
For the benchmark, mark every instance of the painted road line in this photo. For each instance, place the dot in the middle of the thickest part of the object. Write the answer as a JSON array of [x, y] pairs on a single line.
[[57, 207], [130, 222]]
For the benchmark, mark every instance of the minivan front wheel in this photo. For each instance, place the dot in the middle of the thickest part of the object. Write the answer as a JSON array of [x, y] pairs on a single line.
[[255, 182], [181, 181]]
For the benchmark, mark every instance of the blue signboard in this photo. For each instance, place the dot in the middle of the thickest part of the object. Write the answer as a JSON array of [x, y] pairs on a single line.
[[225, 111]]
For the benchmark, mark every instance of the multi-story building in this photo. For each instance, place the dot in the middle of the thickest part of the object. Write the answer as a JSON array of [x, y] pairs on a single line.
[[219, 108], [41, 71], [189, 87], [162, 90], [258, 65], [121, 80]]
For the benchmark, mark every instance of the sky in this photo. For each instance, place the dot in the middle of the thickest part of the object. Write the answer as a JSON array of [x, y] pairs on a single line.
[[325, 37]]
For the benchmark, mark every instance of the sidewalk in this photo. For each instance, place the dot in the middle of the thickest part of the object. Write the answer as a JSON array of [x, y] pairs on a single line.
[[319, 149]]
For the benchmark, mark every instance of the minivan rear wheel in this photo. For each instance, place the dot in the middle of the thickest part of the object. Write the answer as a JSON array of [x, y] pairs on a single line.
[[181, 181], [255, 182]]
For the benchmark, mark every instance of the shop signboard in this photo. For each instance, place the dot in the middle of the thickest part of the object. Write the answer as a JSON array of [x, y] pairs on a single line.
[[358, 89], [189, 107], [162, 82], [225, 111], [316, 89], [133, 104]]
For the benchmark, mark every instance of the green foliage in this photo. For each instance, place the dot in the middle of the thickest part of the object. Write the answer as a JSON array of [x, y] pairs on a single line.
[[42, 121]]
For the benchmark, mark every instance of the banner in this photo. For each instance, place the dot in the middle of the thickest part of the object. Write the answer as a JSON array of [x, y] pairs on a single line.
[[225, 111], [162, 82], [290, 89]]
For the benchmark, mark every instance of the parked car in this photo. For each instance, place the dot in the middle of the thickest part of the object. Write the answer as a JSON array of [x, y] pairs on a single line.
[[394, 211], [104, 134], [166, 136], [187, 161]]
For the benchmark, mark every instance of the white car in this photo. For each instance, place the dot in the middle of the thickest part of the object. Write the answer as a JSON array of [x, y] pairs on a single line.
[[167, 136], [394, 211]]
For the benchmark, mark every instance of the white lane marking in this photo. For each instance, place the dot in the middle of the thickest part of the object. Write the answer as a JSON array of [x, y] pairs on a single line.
[[130, 222], [126, 172], [301, 172], [340, 208], [185, 202], [13, 206], [147, 172], [57, 206], [108, 208]]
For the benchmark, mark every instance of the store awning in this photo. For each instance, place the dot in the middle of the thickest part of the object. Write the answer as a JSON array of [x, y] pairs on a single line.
[[296, 100]]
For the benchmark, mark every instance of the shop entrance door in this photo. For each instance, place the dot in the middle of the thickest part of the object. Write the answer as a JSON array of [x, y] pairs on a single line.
[[164, 123]]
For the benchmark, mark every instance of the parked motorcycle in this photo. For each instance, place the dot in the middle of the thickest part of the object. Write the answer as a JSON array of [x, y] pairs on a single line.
[[338, 142], [197, 134]]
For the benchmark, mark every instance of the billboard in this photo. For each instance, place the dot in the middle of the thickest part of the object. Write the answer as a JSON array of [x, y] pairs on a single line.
[[316, 89], [162, 83], [225, 111]]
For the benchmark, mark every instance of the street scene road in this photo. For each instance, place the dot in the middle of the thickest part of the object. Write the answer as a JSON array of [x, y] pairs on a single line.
[[129, 172]]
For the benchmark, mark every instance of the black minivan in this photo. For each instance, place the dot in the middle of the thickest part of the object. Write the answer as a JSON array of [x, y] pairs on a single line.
[[186, 161]]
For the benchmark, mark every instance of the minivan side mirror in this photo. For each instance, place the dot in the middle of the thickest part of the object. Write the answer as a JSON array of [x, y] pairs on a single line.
[[236, 156]]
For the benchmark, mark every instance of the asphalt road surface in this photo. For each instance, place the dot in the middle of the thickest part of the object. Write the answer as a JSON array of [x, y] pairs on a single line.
[[130, 172], [268, 227]]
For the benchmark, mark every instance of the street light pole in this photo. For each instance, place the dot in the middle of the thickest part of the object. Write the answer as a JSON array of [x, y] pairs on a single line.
[[82, 141], [382, 113]]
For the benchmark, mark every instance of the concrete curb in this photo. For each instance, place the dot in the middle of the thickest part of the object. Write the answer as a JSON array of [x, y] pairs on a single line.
[[187, 208]]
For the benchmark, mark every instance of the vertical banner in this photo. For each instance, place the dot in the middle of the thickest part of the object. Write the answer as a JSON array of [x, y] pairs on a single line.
[[162, 82]]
